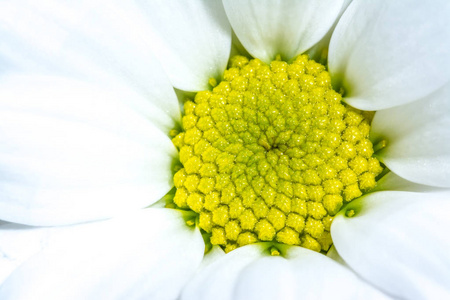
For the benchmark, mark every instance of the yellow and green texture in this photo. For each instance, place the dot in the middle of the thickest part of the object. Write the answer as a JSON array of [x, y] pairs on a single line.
[[272, 154]]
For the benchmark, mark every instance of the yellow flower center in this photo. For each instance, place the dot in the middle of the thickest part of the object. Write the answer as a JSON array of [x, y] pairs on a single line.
[[272, 154]]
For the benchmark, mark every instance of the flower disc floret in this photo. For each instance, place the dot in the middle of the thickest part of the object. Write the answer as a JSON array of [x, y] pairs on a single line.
[[272, 154]]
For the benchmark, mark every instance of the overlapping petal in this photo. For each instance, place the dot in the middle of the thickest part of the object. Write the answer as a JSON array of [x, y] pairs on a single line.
[[191, 38], [319, 52], [73, 152], [393, 182], [250, 272], [288, 28], [398, 241], [99, 41], [418, 139], [387, 53], [18, 243], [148, 254]]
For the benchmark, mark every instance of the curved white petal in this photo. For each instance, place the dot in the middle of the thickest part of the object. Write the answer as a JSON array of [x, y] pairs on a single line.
[[192, 39], [267, 278], [18, 243], [334, 255], [213, 255], [216, 280], [149, 254], [99, 40], [251, 273], [236, 46], [393, 182], [418, 139], [386, 53], [288, 28], [399, 242], [73, 152], [319, 52]]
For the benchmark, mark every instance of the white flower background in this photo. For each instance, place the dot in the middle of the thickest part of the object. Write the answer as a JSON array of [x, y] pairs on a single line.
[[86, 104]]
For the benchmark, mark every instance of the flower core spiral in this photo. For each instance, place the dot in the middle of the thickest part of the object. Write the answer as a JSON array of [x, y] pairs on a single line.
[[272, 154]]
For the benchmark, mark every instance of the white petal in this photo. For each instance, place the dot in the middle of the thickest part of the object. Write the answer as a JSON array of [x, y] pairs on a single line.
[[72, 152], [319, 52], [267, 278], [418, 139], [191, 38], [303, 274], [213, 255], [393, 182], [18, 243], [386, 53], [236, 46], [105, 41], [149, 254], [217, 280], [288, 28], [251, 273], [399, 242], [334, 255]]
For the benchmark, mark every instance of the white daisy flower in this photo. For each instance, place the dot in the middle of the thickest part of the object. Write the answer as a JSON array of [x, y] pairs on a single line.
[[87, 104]]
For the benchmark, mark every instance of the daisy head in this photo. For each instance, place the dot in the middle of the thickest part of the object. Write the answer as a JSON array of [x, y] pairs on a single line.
[[224, 149]]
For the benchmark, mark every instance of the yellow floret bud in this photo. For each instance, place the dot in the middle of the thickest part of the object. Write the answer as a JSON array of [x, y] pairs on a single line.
[[195, 202], [218, 236], [247, 220], [314, 227], [232, 230], [276, 218], [265, 230], [351, 192], [220, 215], [332, 203], [325, 241], [310, 243], [288, 236], [205, 221], [246, 238], [296, 222], [316, 210], [180, 198]]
